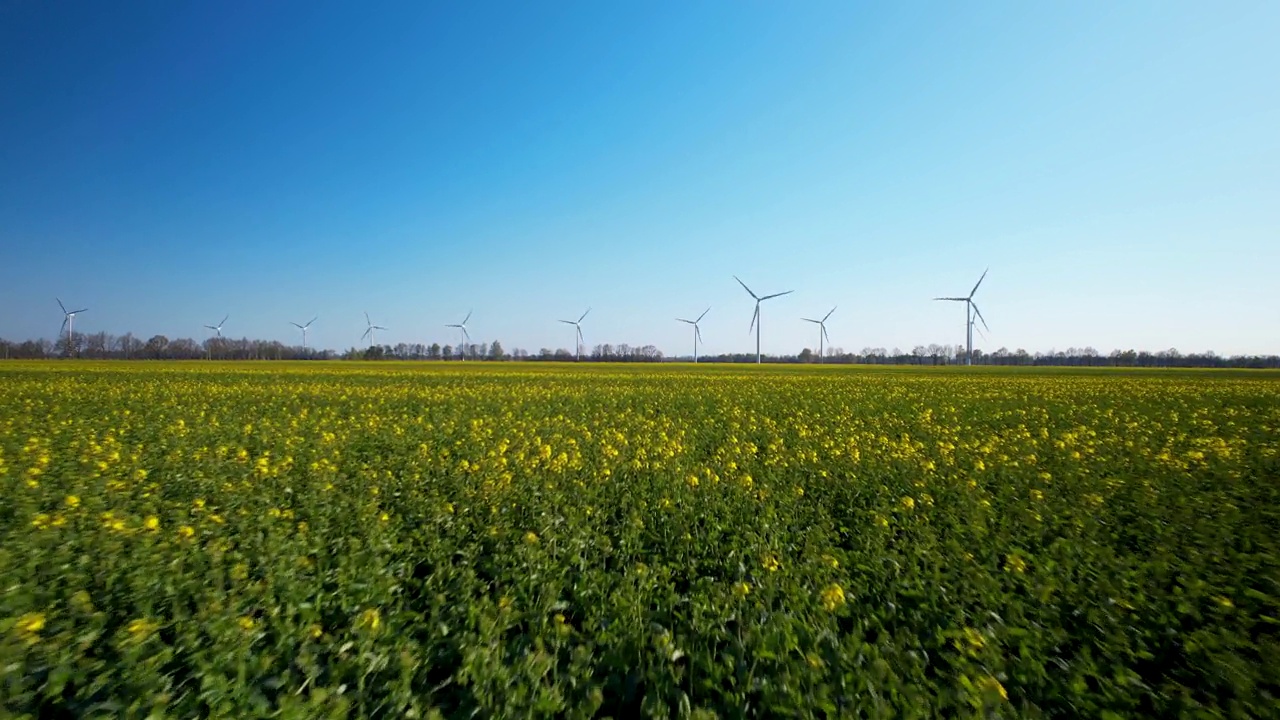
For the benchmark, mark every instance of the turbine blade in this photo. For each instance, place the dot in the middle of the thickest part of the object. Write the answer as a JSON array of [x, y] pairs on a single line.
[[366, 318], [697, 331], [224, 321], [824, 317], [953, 299], [366, 332], [64, 307], [686, 321], [825, 336], [819, 322], [755, 316], [744, 287], [297, 325], [466, 334], [313, 320], [468, 317], [704, 314], [584, 315], [976, 310], [975, 285], [770, 297], [568, 322], [64, 325]]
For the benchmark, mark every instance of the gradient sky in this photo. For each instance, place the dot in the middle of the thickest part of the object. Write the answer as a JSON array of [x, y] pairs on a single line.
[[1117, 165]]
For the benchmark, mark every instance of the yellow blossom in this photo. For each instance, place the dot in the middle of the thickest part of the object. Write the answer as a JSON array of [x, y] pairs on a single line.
[[832, 597]]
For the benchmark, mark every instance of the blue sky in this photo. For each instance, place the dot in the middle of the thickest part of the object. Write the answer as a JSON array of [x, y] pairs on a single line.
[[1117, 165]]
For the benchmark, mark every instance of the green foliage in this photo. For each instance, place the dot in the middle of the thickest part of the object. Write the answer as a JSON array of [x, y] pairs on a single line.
[[321, 540]]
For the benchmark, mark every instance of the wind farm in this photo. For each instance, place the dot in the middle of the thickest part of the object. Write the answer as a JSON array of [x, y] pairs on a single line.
[[482, 506]]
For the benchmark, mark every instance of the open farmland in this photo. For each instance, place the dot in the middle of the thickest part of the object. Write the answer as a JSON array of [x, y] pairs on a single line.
[[339, 540]]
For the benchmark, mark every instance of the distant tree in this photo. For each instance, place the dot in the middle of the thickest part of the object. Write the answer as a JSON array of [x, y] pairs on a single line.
[[448, 352], [495, 351], [434, 351], [806, 356], [155, 347]]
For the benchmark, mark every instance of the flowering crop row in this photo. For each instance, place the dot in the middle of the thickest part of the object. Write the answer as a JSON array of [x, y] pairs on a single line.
[[325, 540]]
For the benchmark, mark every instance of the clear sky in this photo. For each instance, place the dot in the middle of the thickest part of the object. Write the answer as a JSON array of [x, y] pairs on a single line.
[[1117, 165]]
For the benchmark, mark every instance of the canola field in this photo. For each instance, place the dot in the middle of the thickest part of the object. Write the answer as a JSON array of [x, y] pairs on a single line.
[[488, 540]]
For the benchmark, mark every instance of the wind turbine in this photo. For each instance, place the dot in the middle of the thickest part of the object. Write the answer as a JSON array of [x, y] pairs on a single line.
[[755, 317], [822, 332], [68, 321], [697, 334], [466, 336], [577, 324], [369, 330], [969, 304], [303, 328], [218, 328]]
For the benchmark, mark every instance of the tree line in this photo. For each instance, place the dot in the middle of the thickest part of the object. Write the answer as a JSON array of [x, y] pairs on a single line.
[[105, 346]]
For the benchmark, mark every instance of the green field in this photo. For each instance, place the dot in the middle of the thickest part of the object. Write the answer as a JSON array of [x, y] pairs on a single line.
[[519, 540]]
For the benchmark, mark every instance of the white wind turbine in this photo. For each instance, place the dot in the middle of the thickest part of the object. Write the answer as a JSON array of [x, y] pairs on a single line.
[[755, 317], [969, 305], [466, 336], [68, 321], [368, 333], [822, 332], [303, 328], [577, 324], [218, 328], [697, 334]]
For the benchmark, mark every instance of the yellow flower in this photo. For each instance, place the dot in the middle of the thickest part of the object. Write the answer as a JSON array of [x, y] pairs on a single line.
[[247, 623], [741, 589], [73, 502], [1015, 564], [152, 523], [186, 531], [1224, 601], [991, 685], [370, 619], [908, 502], [832, 597], [142, 628], [771, 563], [31, 623], [530, 538], [315, 631], [829, 560], [40, 521], [1037, 495]]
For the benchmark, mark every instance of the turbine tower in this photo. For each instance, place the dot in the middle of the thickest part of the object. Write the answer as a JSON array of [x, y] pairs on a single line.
[[303, 328], [466, 336], [969, 305], [755, 317], [577, 324], [697, 334], [218, 328], [822, 332], [368, 332], [68, 321]]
